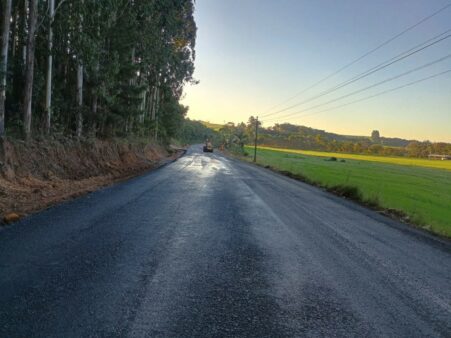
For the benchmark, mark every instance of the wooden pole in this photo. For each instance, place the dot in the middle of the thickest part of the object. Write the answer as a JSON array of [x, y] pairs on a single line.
[[255, 140]]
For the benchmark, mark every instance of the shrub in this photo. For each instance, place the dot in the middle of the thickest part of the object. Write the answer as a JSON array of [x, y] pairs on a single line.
[[347, 191]]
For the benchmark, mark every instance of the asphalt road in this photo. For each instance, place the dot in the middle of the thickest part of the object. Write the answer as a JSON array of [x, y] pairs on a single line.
[[209, 247]]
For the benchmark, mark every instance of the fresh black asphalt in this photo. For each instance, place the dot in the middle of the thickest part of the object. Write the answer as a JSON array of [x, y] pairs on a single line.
[[212, 247]]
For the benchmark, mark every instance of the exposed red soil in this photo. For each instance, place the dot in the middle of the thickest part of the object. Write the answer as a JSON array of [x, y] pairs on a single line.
[[38, 174]]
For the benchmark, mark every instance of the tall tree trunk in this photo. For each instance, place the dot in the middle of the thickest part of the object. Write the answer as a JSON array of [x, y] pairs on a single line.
[[154, 102], [95, 96], [80, 86], [133, 79], [29, 67], [151, 100], [14, 30], [79, 99], [48, 84], [4, 60], [156, 128], [142, 106], [157, 107], [94, 103], [24, 32], [94, 89]]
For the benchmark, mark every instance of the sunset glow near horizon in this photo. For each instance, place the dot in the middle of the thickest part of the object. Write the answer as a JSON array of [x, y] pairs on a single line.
[[254, 54]]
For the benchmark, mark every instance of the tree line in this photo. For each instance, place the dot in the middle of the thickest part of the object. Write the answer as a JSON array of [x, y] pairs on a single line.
[[95, 68], [235, 136], [196, 132]]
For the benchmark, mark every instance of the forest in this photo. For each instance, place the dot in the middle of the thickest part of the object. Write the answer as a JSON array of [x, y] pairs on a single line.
[[95, 68]]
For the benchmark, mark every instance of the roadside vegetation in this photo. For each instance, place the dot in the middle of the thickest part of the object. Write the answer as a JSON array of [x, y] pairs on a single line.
[[195, 132], [413, 191], [98, 69]]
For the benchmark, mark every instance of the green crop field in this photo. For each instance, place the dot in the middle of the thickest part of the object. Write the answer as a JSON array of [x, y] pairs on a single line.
[[419, 188], [418, 162]]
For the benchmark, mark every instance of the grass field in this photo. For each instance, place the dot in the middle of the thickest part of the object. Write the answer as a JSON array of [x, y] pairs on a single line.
[[418, 162], [418, 188]]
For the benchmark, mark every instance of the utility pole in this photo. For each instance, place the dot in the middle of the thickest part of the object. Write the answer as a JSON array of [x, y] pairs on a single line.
[[255, 140]]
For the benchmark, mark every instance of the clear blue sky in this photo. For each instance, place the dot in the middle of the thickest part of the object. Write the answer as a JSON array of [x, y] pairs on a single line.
[[253, 54]]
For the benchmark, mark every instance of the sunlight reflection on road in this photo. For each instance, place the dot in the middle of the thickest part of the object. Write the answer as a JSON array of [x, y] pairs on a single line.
[[205, 165]]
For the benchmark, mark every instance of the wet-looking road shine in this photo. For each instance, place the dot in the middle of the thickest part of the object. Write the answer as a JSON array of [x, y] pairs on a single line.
[[208, 246]]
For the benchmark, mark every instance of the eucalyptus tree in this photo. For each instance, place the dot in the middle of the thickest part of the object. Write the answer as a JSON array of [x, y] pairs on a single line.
[[6, 21], [29, 67], [48, 83], [106, 67]]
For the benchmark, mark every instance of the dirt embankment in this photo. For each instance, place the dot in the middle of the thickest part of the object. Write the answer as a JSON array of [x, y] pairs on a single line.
[[38, 174]]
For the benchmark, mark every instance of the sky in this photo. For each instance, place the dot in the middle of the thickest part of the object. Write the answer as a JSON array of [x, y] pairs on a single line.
[[253, 55]]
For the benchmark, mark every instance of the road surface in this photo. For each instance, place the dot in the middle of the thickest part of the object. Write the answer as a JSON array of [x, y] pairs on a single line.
[[209, 247]]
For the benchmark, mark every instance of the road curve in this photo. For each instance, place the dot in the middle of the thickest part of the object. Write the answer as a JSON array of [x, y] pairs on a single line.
[[209, 246]]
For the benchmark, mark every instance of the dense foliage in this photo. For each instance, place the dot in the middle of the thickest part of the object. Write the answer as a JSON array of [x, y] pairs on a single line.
[[196, 132], [100, 68]]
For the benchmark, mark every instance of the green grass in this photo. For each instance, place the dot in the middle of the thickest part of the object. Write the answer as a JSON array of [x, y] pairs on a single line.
[[418, 162], [413, 187]]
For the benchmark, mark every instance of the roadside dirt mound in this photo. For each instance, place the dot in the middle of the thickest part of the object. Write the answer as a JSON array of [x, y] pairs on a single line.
[[37, 174]]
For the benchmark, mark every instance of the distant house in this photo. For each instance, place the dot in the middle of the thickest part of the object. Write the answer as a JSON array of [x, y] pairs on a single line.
[[439, 157]]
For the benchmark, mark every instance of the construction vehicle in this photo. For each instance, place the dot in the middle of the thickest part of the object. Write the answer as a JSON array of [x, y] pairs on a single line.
[[208, 146]]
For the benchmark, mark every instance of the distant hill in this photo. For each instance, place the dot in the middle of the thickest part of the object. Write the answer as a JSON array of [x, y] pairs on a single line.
[[287, 135], [386, 141], [287, 128], [214, 126]]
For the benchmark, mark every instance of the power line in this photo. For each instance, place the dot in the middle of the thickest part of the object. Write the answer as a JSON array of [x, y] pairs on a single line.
[[403, 53], [370, 86], [361, 57], [377, 94], [369, 72]]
